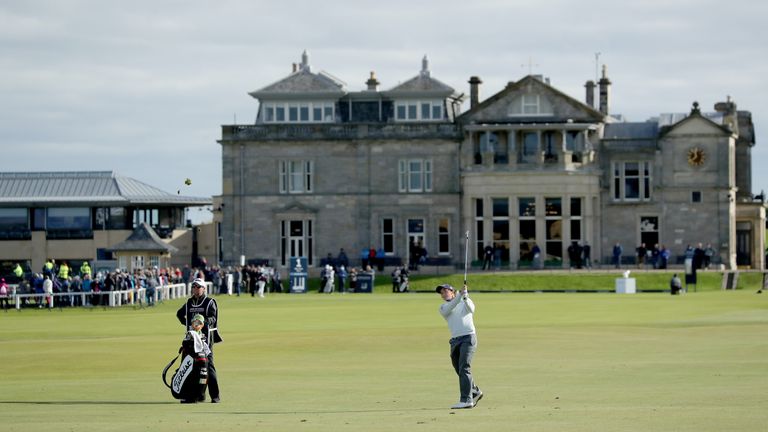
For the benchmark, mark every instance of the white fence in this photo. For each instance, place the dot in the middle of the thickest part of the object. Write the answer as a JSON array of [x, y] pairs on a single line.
[[113, 298]]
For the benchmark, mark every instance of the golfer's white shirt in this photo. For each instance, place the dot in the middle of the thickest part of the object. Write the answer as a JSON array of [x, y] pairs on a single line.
[[458, 313]]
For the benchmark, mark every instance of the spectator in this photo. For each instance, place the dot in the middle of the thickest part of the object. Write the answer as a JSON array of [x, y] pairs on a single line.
[[698, 257], [617, 252], [488, 256], [675, 285], [664, 255], [586, 252], [709, 252], [537, 261], [641, 254], [342, 278], [342, 259], [4, 294]]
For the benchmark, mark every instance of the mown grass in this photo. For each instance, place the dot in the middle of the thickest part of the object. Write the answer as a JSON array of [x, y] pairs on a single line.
[[576, 362]]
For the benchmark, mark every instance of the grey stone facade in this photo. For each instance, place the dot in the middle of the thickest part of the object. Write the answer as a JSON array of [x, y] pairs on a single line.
[[324, 169]]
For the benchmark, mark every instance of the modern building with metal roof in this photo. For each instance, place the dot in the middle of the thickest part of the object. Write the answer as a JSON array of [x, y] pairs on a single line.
[[80, 216]]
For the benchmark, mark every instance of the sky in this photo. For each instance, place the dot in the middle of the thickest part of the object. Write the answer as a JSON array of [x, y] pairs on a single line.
[[143, 87]]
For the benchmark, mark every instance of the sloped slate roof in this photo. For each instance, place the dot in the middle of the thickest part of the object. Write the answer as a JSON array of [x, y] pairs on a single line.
[[303, 82], [422, 84], [87, 187], [144, 238], [633, 130]]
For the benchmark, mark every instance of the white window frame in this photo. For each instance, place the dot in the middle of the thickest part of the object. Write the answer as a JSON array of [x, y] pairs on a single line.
[[403, 110], [390, 234], [292, 172], [423, 175], [619, 178], [327, 111], [534, 105]]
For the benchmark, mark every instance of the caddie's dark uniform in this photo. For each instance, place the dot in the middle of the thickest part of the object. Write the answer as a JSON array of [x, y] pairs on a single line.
[[207, 307]]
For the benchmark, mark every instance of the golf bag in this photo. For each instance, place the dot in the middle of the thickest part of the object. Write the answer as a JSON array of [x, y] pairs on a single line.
[[190, 379]]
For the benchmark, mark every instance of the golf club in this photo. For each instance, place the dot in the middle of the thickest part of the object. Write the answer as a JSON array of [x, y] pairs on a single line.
[[466, 256]]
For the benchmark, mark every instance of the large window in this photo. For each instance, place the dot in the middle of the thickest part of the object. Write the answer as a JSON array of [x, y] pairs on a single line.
[[301, 112], [388, 235], [501, 227], [632, 181], [13, 219], [416, 110], [296, 177], [554, 224], [415, 175], [576, 217], [479, 236], [68, 218], [443, 236], [527, 231]]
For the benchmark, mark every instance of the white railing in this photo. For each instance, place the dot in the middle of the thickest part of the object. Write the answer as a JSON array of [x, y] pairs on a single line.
[[114, 298]]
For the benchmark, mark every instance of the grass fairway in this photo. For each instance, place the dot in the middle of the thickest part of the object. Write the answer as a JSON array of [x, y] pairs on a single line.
[[546, 362]]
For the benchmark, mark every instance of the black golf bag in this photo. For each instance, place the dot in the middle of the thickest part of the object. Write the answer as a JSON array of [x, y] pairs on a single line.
[[190, 379]]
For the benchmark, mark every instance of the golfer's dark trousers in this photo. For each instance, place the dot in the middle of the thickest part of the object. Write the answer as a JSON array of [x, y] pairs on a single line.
[[462, 351], [213, 382]]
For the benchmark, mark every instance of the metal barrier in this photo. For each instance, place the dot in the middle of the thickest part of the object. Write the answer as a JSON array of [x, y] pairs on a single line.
[[114, 298]]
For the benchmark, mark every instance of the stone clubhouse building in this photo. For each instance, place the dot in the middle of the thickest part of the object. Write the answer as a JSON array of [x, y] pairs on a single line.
[[398, 170]]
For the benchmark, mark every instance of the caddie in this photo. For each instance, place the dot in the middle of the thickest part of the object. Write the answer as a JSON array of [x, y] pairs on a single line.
[[200, 303], [457, 311]]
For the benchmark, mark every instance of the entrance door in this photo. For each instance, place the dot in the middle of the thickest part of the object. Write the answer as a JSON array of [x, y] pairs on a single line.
[[744, 247], [416, 240], [296, 238]]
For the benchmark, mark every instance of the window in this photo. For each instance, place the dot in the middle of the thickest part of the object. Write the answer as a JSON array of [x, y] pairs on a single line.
[[302, 112], [154, 261], [530, 143], [296, 177], [419, 110], [137, 262], [649, 230], [13, 219], [527, 228], [530, 104], [69, 218], [632, 181], [415, 175], [479, 246], [388, 235], [576, 219], [443, 236], [554, 224], [501, 227], [696, 196], [38, 219]]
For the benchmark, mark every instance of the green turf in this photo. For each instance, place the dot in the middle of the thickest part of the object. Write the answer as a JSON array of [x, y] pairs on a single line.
[[547, 362]]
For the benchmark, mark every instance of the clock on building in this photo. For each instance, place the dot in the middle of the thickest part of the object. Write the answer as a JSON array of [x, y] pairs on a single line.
[[696, 156]]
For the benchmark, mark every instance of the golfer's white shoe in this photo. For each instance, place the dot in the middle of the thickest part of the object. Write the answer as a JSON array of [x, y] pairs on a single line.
[[476, 398], [463, 405]]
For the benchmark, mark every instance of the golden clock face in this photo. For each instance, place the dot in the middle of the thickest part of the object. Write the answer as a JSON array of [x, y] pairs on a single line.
[[696, 156]]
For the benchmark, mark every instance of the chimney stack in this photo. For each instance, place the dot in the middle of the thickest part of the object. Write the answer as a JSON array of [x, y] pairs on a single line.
[[474, 91], [373, 83], [590, 85], [605, 92]]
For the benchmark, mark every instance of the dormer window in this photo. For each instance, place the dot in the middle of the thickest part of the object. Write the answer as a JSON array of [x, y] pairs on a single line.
[[298, 112], [419, 110], [530, 104]]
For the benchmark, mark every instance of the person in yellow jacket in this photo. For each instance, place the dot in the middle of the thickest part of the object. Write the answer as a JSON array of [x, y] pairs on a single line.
[[85, 269], [17, 271], [48, 268], [63, 271]]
